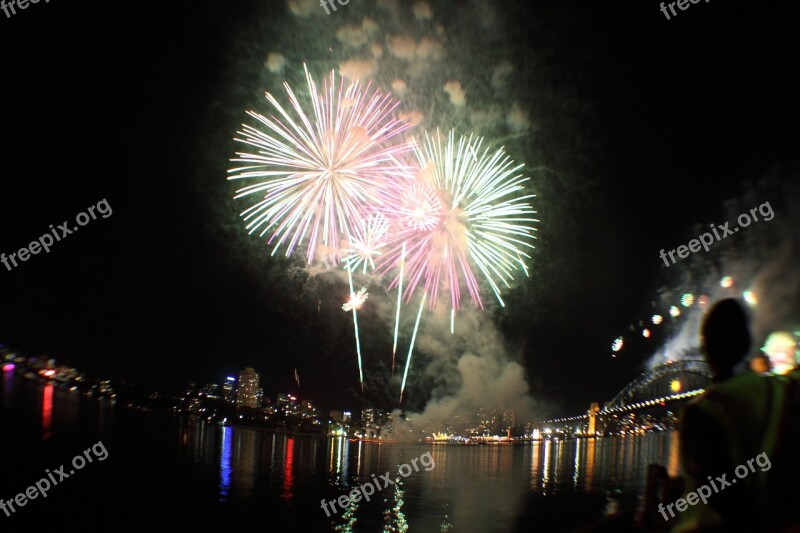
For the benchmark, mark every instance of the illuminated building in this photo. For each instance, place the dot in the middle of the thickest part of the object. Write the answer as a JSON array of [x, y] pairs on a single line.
[[247, 395], [229, 390], [307, 410], [211, 391], [287, 405], [339, 423]]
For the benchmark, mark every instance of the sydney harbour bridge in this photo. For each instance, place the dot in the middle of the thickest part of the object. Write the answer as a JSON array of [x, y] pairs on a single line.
[[657, 394]]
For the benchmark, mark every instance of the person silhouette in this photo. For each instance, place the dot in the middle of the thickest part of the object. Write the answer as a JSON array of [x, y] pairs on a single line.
[[737, 418]]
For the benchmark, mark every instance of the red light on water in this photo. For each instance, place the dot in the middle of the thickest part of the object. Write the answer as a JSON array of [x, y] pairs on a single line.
[[47, 411], [8, 367], [286, 493]]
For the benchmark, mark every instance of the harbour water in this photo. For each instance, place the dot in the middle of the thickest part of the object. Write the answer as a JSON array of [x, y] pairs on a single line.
[[188, 473]]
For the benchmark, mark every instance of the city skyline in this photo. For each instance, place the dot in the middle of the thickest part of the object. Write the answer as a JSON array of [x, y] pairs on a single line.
[[201, 265]]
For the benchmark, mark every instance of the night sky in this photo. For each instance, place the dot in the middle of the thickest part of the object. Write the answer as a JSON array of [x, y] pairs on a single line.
[[649, 126]]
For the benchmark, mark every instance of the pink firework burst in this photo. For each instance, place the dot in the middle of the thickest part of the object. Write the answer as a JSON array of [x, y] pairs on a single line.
[[467, 221], [320, 166]]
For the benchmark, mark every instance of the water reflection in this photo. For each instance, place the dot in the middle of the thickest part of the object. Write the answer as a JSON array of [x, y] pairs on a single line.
[[673, 464], [348, 518], [394, 517], [225, 463], [47, 411], [287, 470], [590, 451], [8, 385], [245, 468], [546, 473], [536, 449], [338, 451], [471, 488]]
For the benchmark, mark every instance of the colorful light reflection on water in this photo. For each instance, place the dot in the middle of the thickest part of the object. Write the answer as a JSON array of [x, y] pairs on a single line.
[[47, 411], [286, 492], [225, 464]]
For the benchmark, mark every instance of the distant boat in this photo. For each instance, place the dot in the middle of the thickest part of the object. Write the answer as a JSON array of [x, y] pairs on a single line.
[[376, 441]]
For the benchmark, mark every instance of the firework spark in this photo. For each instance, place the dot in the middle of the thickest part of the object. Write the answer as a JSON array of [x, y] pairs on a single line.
[[320, 166], [356, 300]]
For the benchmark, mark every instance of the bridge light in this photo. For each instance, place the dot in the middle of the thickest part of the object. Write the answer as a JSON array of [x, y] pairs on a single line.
[[687, 299], [617, 344], [726, 282], [675, 386], [646, 333], [674, 312], [657, 319]]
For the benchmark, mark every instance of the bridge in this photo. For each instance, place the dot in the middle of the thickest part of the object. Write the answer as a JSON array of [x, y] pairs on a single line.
[[650, 393]]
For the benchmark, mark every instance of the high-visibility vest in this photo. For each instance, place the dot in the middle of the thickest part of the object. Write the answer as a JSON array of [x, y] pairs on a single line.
[[749, 410]]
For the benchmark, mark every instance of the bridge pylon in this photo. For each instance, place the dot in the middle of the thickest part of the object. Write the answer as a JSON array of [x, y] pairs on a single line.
[[594, 408]]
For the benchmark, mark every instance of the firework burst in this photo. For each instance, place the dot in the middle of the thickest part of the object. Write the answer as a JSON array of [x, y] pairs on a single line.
[[365, 243], [356, 300], [466, 218], [320, 166]]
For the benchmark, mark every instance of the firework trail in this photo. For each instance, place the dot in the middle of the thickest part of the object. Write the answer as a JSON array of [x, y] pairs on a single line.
[[411, 347], [399, 305], [353, 304], [320, 171], [364, 246]]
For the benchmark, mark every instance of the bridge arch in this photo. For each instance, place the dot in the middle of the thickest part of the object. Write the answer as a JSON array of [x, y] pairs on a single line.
[[660, 382]]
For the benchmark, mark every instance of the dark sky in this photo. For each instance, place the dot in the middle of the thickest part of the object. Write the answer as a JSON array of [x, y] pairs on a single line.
[[131, 102]]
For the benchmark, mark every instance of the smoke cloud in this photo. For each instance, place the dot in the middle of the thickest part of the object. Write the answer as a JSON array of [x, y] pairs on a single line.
[[762, 259]]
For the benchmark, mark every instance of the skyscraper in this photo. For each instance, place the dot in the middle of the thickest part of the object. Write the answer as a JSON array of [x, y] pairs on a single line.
[[287, 405], [229, 390], [248, 395]]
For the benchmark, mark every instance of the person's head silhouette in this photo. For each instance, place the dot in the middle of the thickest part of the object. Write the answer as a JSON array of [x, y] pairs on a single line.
[[725, 336]]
